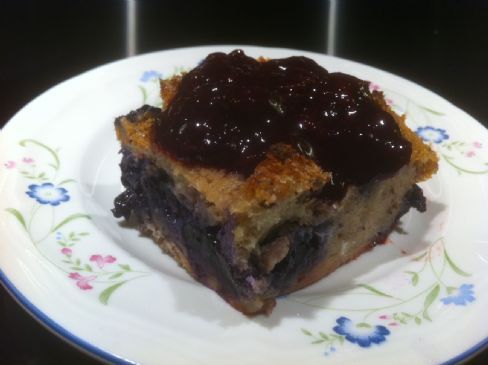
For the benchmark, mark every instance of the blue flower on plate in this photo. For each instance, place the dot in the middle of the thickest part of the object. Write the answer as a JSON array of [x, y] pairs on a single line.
[[47, 193], [463, 295], [150, 75], [362, 334], [431, 134]]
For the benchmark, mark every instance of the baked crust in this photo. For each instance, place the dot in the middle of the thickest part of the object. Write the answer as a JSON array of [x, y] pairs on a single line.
[[284, 188], [283, 173]]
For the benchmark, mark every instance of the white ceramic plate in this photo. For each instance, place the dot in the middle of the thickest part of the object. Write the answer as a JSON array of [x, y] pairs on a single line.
[[420, 299]]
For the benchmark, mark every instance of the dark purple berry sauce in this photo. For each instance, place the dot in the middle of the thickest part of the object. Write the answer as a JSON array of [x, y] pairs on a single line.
[[231, 108]]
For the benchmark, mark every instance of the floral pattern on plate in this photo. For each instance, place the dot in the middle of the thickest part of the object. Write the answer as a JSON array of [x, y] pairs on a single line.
[[433, 261], [51, 192], [466, 157], [429, 266], [454, 151]]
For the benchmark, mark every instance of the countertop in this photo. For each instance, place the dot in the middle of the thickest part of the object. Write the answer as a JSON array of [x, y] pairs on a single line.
[[441, 45]]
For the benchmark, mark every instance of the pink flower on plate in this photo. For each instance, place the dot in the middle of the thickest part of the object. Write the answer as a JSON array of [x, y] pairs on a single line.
[[384, 316], [102, 260], [10, 164], [470, 153], [83, 282], [477, 144], [66, 251], [374, 87], [27, 160], [389, 101]]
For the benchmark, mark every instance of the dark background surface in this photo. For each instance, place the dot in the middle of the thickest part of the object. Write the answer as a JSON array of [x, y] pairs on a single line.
[[442, 45]]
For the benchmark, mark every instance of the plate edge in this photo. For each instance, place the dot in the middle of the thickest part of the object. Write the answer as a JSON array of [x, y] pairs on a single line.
[[57, 329]]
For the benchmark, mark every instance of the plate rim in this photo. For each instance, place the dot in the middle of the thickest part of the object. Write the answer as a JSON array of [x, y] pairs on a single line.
[[57, 329], [95, 351]]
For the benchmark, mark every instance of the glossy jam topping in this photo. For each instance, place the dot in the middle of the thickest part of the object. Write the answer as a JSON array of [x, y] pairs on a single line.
[[230, 109]]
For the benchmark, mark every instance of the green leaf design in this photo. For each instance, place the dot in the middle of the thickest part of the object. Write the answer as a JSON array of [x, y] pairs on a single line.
[[144, 93], [415, 277], [17, 215], [453, 266], [324, 336], [402, 317], [56, 163], [124, 267], [418, 320], [116, 275], [105, 295], [306, 332], [375, 291], [88, 267], [68, 219], [429, 299], [420, 257], [460, 169], [363, 325], [317, 341], [451, 289], [66, 181], [432, 111]]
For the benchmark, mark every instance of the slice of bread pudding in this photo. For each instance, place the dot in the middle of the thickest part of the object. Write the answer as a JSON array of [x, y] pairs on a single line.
[[260, 177]]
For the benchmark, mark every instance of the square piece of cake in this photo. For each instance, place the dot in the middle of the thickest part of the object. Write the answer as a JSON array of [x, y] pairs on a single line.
[[260, 177]]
